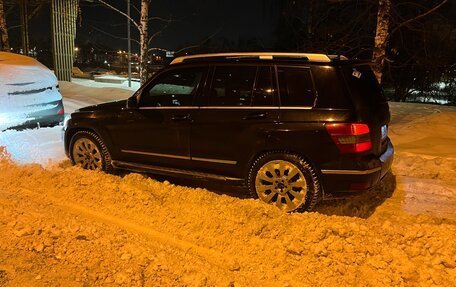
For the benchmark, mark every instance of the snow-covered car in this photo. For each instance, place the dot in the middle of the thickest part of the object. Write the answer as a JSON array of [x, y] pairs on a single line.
[[29, 94]]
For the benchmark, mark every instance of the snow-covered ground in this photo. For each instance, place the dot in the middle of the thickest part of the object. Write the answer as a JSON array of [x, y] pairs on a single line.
[[61, 225], [92, 84]]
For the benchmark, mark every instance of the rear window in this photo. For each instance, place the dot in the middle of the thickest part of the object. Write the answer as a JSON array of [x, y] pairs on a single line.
[[363, 83], [331, 90]]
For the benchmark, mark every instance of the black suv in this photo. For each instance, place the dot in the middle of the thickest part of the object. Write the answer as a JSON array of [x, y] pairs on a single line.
[[293, 127]]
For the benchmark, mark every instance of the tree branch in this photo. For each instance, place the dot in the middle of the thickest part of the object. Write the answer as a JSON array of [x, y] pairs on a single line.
[[113, 36], [417, 17], [200, 43], [134, 7], [156, 34], [120, 12], [161, 19]]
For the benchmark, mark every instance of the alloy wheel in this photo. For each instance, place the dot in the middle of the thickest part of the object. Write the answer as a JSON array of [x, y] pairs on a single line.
[[281, 183], [87, 154]]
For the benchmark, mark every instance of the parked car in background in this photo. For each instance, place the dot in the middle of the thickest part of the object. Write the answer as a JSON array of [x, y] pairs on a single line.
[[29, 94], [293, 128]]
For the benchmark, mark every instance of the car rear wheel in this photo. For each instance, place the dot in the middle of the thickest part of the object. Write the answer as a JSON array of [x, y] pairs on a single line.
[[285, 180], [88, 150]]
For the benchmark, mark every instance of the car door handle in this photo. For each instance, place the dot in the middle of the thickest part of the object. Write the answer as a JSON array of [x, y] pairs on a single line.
[[180, 118], [256, 116]]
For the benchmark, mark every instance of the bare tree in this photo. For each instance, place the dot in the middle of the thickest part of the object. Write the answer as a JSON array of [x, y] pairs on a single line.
[[4, 41], [144, 40], [381, 37], [383, 32], [143, 28]]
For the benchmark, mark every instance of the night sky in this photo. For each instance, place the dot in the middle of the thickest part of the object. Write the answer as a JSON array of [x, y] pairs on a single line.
[[195, 21]]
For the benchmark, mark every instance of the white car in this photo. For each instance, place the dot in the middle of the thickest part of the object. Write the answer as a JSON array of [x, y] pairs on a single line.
[[29, 94]]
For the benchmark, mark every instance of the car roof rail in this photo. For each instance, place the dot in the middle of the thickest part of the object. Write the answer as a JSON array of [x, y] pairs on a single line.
[[309, 57]]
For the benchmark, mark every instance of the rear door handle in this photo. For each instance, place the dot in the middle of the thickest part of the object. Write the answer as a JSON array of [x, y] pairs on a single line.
[[180, 118], [256, 116]]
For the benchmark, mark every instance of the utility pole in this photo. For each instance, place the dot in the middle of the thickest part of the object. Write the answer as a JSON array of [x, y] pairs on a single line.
[[129, 43]]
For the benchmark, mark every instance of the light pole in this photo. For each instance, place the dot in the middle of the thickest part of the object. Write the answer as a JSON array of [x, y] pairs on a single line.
[[129, 44]]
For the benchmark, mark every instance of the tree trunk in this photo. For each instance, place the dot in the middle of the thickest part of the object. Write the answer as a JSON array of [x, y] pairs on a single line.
[[4, 41], [381, 37], [144, 38]]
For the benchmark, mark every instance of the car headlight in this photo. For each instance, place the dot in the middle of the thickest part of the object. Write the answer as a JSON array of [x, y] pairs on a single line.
[[67, 118]]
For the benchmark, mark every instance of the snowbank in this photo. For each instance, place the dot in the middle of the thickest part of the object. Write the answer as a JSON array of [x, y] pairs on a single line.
[[92, 84], [100, 229], [424, 129], [43, 146]]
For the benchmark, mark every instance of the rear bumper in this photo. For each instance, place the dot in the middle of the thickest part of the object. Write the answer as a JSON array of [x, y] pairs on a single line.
[[350, 180], [42, 118]]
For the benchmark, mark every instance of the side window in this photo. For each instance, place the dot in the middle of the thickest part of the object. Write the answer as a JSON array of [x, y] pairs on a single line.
[[173, 88], [263, 94], [232, 86], [296, 87]]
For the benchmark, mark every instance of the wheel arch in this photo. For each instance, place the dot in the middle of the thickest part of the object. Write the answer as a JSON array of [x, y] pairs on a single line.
[[69, 135], [262, 152], [102, 149], [73, 130]]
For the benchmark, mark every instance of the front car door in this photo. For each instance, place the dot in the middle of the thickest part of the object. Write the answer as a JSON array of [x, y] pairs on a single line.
[[157, 131]]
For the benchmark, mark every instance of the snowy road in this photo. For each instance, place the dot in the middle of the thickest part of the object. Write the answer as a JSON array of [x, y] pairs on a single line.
[[61, 225]]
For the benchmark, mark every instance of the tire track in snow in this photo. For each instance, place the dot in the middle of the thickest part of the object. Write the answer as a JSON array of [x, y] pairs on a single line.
[[211, 256]]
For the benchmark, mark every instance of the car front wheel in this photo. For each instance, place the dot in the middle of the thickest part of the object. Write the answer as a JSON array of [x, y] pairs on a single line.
[[89, 151], [285, 180]]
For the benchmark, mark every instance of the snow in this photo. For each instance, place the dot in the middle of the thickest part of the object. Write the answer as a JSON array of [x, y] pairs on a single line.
[[424, 129], [24, 85], [81, 93], [67, 226], [92, 84], [43, 146]]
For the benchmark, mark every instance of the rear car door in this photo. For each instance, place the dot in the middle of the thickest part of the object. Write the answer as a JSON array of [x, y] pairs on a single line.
[[302, 127], [157, 131], [237, 109]]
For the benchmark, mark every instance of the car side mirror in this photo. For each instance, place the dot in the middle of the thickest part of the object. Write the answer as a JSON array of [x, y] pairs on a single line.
[[132, 102]]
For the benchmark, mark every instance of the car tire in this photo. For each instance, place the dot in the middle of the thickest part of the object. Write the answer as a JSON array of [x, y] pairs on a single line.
[[286, 180], [88, 150]]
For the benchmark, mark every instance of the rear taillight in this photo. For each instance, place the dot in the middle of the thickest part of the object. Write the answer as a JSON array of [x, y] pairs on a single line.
[[61, 112], [350, 138]]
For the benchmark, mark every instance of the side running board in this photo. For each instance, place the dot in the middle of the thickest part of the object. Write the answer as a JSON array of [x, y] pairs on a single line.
[[138, 167]]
